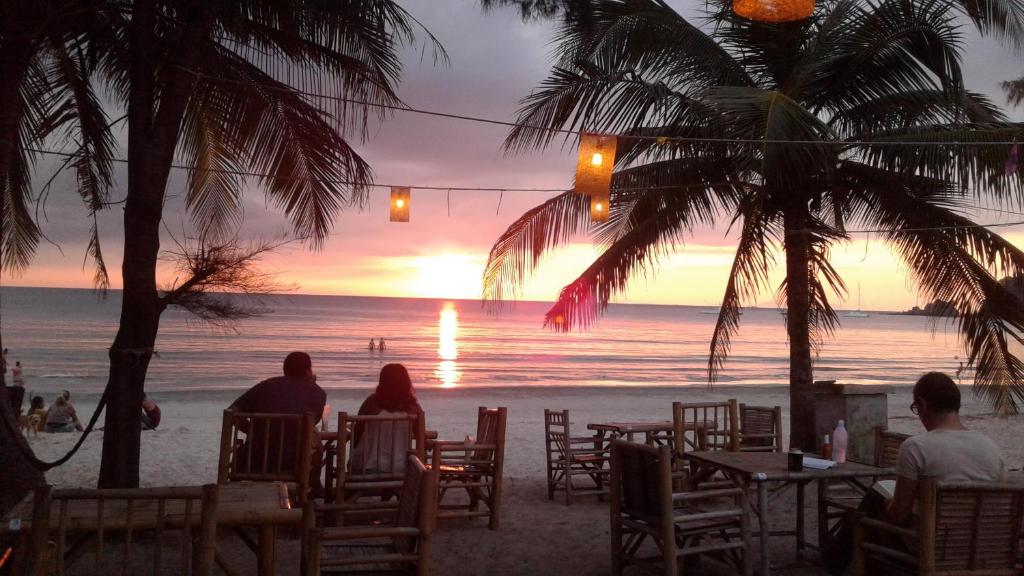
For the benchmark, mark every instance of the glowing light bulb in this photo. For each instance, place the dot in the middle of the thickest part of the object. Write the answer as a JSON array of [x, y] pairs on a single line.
[[400, 203], [597, 159], [599, 206]]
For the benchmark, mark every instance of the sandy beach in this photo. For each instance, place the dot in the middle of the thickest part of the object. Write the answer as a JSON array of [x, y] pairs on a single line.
[[537, 536]]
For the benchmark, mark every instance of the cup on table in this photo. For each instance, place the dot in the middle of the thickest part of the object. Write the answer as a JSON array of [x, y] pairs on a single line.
[[796, 460]]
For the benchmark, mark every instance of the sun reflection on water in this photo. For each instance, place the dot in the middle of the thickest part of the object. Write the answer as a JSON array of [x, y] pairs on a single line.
[[447, 371]]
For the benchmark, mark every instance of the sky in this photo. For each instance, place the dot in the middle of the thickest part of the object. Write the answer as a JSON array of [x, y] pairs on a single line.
[[495, 60]]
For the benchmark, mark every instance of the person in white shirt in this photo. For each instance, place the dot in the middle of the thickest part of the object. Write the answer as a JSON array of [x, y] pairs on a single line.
[[948, 451]]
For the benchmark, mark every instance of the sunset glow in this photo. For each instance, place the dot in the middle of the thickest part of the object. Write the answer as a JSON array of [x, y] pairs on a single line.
[[447, 350], [448, 276]]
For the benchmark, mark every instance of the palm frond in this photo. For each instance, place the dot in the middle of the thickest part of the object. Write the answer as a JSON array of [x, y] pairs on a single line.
[[519, 250], [1001, 18], [748, 276], [314, 171], [635, 251], [952, 259], [1014, 91], [956, 153]]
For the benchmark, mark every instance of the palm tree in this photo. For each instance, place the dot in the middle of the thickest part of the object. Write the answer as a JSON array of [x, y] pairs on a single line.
[[708, 116], [44, 84], [234, 91]]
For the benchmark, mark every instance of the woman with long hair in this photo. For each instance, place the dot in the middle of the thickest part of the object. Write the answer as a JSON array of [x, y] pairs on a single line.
[[377, 441], [394, 394]]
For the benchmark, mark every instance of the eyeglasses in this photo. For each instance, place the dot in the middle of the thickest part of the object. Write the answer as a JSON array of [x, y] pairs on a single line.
[[915, 409]]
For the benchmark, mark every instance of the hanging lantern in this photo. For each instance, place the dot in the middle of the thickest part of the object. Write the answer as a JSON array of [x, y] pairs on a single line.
[[594, 172], [773, 10], [400, 198], [599, 207], [595, 163]]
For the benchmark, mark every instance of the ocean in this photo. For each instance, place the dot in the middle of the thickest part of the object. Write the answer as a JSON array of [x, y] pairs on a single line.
[[61, 335]]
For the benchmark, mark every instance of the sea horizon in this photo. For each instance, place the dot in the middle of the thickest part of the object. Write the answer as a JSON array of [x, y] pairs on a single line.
[[61, 336]]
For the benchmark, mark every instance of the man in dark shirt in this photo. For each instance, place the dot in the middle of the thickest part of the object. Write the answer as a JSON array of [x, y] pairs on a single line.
[[294, 393]]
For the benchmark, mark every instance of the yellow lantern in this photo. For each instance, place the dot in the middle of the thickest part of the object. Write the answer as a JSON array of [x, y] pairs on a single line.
[[773, 10], [400, 199], [599, 207], [594, 172], [595, 163]]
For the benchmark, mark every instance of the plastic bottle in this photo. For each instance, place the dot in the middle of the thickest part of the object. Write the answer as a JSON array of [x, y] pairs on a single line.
[[826, 448], [839, 441]]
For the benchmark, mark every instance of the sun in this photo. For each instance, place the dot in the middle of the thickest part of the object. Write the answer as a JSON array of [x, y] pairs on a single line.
[[448, 276]]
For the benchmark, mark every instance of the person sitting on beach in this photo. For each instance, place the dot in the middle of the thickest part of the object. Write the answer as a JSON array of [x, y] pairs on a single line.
[[948, 451], [394, 395], [37, 413], [296, 392], [150, 414], [61, 417]]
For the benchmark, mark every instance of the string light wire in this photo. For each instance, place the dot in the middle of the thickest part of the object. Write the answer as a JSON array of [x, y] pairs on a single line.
[[657, 138], [501, 191]]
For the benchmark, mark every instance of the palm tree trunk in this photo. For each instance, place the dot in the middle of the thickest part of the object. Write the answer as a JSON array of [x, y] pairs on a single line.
[[152, 139], [798, 301]]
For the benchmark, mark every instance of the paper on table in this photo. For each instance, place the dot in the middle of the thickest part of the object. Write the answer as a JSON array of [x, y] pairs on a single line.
[[887, 488], [817, 463]]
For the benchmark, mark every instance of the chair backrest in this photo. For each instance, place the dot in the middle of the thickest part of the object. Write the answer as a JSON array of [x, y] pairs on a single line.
[[705, 426], [556, 431], [887, 447], [490, 431], [760, 428], [375, 447], [970, 526], [417, 502], [641, 480], [267, 448], [158, 513]]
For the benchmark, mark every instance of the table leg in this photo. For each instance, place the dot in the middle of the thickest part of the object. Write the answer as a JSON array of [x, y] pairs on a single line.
[[800, 517], [265, 557], [764, 524], [822, 514]]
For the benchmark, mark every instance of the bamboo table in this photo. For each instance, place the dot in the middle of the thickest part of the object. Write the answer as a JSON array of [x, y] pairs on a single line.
[[264, 505], [654, 431], [758, 469]]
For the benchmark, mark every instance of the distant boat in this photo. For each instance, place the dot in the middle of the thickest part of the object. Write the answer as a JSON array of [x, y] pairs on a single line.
[[714, 311], [857, 313]]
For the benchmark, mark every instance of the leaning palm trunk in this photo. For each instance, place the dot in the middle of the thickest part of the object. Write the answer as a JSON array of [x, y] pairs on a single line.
[[153, 130]]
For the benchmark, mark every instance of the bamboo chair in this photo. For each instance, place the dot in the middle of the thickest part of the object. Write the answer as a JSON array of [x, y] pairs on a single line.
[[141, 522], [269, 448], [705, 426], [963, 529], [760, 428], [376, 467], [702, 426], [644, 506], [401, 545], [569, 456], [838, 500], [476, 467]]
